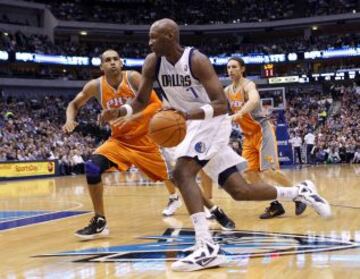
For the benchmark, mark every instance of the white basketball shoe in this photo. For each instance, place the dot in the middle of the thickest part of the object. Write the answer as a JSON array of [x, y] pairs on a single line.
[[309, 195], [205, 255], [172, 206]]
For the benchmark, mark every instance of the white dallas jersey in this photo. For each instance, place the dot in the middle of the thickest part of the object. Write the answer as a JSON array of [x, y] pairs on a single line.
[[205, 139], [180, 89]]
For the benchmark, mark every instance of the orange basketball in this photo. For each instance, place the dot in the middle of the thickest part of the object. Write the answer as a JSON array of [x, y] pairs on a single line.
[[167, 128]]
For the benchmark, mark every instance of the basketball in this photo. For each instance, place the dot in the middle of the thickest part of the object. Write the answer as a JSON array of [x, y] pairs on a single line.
[[167, 128]]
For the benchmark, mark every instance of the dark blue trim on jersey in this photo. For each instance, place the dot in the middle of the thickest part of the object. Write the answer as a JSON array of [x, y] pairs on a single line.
[[37, 217], [157, 70], [157, 67], [162, 92], [190, 55]]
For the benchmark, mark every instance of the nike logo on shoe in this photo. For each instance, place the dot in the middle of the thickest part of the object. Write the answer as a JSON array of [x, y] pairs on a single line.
[[99, 229], [317, 198], [205, 261]]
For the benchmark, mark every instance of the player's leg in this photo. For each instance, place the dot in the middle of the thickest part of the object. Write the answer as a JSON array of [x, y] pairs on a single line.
[[184, 175], [239, 189], [280, 178], [94, 168], [230, 178], [212, 210], [206, 252], [275, 208], [206, 189], [252, 153], [277, 176], [206, 184], [174, 201], [270, 170], [110, 154]]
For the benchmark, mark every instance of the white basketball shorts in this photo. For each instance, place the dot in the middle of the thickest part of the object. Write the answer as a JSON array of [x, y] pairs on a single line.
[[209, 140]]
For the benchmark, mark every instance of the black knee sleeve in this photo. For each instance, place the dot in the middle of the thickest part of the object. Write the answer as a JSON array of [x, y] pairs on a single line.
[[223, 176], [95, 167]]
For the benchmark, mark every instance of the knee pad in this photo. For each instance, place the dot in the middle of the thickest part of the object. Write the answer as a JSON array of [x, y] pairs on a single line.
[[93, 172]]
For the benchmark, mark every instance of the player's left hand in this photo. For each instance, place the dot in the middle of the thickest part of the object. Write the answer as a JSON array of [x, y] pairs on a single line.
[[182, 113]]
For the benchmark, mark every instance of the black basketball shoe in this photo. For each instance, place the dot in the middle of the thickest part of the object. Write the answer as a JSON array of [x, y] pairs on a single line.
[[220, 216], [299, 207], [96, 228], [275, 209]]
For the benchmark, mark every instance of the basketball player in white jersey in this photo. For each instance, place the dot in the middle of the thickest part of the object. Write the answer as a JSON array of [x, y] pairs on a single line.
[[191, 86]]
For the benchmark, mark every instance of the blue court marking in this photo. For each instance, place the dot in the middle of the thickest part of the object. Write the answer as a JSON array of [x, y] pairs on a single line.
[[11, 215], [14, 219]]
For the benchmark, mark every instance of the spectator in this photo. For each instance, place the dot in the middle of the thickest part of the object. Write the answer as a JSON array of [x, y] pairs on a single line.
[[33, 132], [333, 155], [356, 158], [296, 142], [77, 162], [193, 12], [309, 141], [320, 154]]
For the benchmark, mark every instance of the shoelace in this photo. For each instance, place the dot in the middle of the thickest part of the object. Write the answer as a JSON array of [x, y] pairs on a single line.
[[200, 243], [92, 223]]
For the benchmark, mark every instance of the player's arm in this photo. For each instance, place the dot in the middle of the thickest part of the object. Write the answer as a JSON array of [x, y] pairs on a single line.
[[143, 95], [252, 102], [226, 92], [88, 91], [154, 102], [203, 70]]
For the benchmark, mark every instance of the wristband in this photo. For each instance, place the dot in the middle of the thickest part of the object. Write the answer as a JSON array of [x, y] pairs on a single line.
[[129, 110], [208, 111]]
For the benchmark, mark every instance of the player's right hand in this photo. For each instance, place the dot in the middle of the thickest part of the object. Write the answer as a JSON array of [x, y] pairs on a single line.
[[69, 126]]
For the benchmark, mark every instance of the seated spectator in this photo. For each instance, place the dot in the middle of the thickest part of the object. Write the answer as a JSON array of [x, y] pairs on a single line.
[[77, 162], [321, 154], [356, 158], [342, 153], [333, 155]]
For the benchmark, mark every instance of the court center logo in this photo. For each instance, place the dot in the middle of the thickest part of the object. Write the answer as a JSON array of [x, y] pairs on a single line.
[[236, 245]]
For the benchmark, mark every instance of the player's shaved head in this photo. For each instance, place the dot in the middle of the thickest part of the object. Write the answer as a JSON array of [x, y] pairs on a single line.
[[107, 53], [168, 27], [164, 38], [111, 63]]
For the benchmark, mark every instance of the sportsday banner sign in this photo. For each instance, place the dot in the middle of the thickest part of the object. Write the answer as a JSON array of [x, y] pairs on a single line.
[[26, 169]]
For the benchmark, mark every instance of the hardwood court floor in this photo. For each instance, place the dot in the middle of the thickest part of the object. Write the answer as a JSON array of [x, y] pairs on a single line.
[[288, 247]]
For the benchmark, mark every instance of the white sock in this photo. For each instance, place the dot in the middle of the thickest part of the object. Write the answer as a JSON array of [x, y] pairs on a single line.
[[173, 196], [201, 226], [207, 212], [213, 208], [286, 193]]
